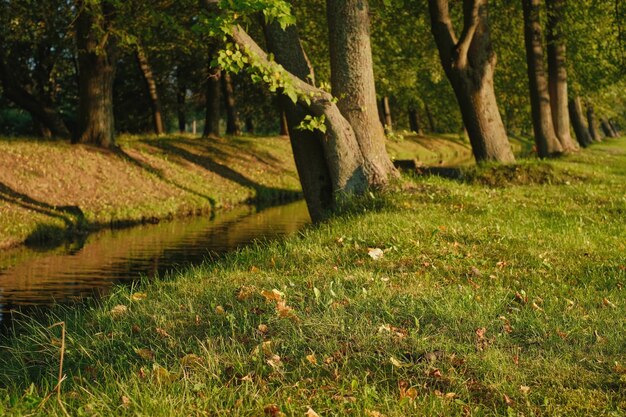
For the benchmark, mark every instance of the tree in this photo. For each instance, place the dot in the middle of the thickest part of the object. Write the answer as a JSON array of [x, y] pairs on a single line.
[[148, 77], [469, 63], [97, 52], [545, 136], [557, 72], [352, 80], [233, 126], [578, 122]]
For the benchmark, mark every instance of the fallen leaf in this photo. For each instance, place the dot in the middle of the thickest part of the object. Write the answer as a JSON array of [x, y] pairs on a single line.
[[146, 354], [524, 389], [161, 332], [275, 362], [284, 311], [435, 373], [508, 400], [245, 292], [312, 359], [406, 391], [476, 272], [311, 413], [190, 360], [160, 374], [138, 296], [375, 253], [125, 401], [219, 310], [273, 295], [263, 328], [396, 362], [119, 311], [135, 329], [607, 303], [372, 413], [272, 410]]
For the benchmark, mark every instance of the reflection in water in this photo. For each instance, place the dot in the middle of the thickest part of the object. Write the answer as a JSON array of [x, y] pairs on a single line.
[[28, 277]]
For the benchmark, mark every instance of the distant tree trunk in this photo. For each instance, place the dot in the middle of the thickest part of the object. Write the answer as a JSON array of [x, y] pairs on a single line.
[[181, 93], [557, 74], [249, 125], [233, 126], [606, 128], [148, 77], [45, 116], [431, 119], [414, 121], [385, 115], [614, 128], [469, 64], [352, 80], [212, 115], [593, 124], [96, 63], [578, 121], [545, 137], [284, 126], [308, 149]]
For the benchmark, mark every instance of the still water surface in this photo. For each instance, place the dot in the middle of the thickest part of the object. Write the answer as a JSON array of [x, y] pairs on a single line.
[[35, 277]]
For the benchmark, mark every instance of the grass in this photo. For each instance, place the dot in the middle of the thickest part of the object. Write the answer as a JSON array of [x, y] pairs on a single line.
[[504, 300]]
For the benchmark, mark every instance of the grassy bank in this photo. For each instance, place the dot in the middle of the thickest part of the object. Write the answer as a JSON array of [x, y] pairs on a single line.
[[487, 300], [49, 190]]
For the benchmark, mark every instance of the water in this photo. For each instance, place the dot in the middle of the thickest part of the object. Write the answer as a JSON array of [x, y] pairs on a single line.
[[31, 277]]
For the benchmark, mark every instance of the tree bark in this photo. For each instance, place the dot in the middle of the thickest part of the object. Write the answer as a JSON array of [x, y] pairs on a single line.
[[431, 119], [469, 63], [233, 125], [45, 117], [284, 126], [385, 109], [578, 121], [614, 128], [593, 124], [96, 63], [352, 80], [151, 87], [181, 94], [307, 146], [545, 137], [557, 74], [414, 121], [212, 95], [606, 128]]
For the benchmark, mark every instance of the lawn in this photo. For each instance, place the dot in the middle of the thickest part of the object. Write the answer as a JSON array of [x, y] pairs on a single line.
[[500, 293]]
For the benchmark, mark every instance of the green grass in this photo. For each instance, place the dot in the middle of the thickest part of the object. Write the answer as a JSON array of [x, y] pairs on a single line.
[[504, 300]]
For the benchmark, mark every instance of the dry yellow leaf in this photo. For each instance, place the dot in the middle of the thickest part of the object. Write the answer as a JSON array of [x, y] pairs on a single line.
[[263, 328], [273, 295], [245, 292], [524, 389], [161, 332], [284, 311], [312, 359], [190, 360], [138, 296], [311, 413], [125, 401], [119, 311], [219, 310], [146, 354]]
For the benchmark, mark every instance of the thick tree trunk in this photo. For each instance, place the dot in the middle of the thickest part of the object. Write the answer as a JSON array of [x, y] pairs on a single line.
[[469, 64], [545, 137], [212, 96], [578, 121], [233, 126], [593, 124], [307, 146], [181, 94], [96, 63], [557, 74], [151, 87], [432, 126], [414, 121], [352, 80]]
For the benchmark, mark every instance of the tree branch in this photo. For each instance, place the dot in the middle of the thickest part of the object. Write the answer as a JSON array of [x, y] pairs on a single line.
[[471, 20], [442, 30]]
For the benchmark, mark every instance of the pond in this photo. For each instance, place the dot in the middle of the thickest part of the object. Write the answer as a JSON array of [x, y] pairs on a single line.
[[30, 277]]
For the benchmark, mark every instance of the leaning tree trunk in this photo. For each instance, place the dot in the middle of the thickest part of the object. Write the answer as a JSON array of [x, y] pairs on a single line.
[[545, 137], [614, 128], [557, 74], [46, 117], [151, 87], [593, 124], [307, 146], [212, 96], [352, 81], [606, 128], [96, 64], [469, 64], [578, 121], [233, 125]]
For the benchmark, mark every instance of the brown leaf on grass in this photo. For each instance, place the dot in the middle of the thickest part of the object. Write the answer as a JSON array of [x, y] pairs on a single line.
[[523, 299], [435, 373], [373, 413], [311, 413], [561, 334], [507, 399], [406, 391], [607, 303], [524, 389], [135, 329], [245, 292], [162, 333], [537, 307], [284, 311], [141, 373], [191, 360], [145, 354], [476, 272], [273, 295], [161, 374], [254, 269], [311, 359], [125, 401], [118, 311], [619, 368], [139, 296], [272, 410], [275, 362], [481, 340], [263, 329], [375, 253], [219, 310]]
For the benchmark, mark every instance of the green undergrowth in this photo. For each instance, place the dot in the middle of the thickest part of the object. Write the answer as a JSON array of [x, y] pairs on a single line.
[[505, 300]]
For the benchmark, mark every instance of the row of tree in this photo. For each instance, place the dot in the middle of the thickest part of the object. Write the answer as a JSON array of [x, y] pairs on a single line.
[[60, 55]]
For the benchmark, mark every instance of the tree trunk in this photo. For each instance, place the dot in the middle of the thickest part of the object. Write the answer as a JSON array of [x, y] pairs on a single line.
[[96, 64], [614, 128], [578, 121], [181, 93], [593, 124], [545, 137], [233, 126], [469, 64], [414, 121], [606, 128], [249, 125], [212, 115], [385, 115], [557, 74], [431, 119], [307, 146], [352, 80], [148, 77], [284, 126]]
